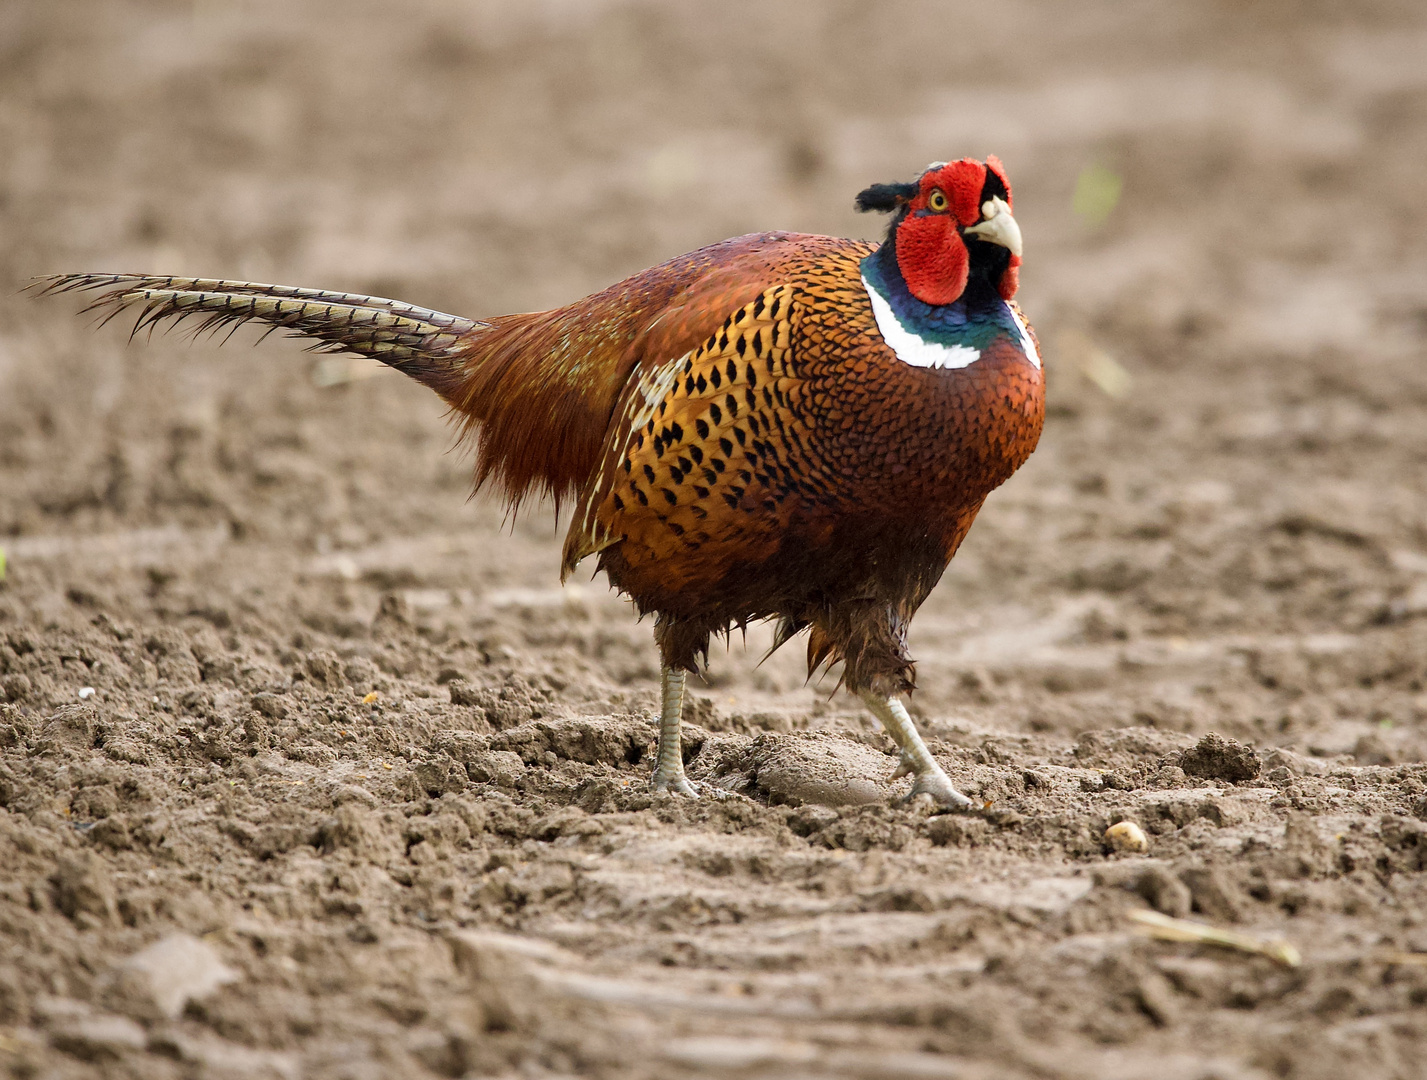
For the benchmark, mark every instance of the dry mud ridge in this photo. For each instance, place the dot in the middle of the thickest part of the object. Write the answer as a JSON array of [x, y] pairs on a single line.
[[360, 792]]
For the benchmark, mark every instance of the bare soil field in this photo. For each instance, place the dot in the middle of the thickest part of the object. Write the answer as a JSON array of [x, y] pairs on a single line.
[[309, 767]]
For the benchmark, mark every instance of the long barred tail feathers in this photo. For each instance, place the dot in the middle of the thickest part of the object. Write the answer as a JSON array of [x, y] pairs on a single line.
[[424, 344], [536, 422]]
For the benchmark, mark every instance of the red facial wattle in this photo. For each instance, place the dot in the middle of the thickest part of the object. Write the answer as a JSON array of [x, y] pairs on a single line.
[[1010, 279], [932, 257], [931, 254]]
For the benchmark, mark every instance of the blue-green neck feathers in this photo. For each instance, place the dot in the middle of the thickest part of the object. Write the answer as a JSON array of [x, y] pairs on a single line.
[[973, 321]]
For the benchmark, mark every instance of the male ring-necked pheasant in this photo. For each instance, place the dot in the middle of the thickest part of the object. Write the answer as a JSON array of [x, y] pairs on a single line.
[[777, 426]]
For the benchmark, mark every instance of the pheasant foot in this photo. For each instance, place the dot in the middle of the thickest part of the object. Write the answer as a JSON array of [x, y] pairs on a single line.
[[937, 784], [916, 759]]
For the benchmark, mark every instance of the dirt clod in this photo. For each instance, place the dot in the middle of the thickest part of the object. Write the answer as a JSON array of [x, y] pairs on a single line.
[[956, 831], [158, 981], [99, 1038], [84, 889], [1217, 758], [1164, 892], [1212, 893]]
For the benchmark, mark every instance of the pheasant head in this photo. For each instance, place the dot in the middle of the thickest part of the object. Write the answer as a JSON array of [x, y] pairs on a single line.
[[952, 227]]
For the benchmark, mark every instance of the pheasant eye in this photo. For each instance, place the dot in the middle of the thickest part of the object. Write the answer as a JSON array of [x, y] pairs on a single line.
[[937, 200]]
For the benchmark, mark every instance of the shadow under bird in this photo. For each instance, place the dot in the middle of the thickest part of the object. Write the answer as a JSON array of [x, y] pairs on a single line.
[[778, 426]]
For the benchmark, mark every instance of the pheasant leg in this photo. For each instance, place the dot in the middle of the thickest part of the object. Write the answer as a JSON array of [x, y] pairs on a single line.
[[669, 768], [930, 778]]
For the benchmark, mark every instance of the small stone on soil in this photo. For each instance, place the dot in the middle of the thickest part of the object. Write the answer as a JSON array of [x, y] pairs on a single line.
[[1127, 838]]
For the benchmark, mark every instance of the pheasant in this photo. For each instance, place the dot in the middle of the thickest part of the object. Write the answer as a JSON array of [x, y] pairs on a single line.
[[779, 426]]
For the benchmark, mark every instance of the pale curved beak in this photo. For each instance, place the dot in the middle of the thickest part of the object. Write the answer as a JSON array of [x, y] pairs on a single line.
[[999, 227]]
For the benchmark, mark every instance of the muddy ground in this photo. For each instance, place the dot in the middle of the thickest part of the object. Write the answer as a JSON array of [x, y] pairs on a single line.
[[374, 786]]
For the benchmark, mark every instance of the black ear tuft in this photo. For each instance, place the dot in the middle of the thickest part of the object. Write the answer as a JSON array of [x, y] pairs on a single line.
[[885, 197]]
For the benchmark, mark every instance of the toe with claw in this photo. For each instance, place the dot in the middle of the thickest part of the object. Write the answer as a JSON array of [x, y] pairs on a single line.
[[906, 766], [672, 781], [937, 784]]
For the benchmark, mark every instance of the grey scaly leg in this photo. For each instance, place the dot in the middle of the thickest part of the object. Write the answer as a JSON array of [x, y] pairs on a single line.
[[669, 768], [916, 758]]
